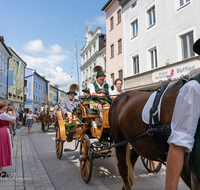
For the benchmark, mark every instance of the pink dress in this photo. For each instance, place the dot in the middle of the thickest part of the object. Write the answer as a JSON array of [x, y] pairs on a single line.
[[5, 140]]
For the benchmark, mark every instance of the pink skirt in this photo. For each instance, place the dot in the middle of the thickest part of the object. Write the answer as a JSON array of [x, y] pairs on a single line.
[[5, 148]]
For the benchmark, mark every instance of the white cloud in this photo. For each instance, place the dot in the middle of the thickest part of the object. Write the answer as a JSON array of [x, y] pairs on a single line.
[[36, 48], [97, 20], [46, 62]]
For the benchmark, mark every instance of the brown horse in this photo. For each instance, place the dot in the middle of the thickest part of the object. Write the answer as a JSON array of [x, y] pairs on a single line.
[[125, 118], [45, 120]]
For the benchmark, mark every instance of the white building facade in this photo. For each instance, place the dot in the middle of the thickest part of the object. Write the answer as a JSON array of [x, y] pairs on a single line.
[[158, 40], [92, 54]]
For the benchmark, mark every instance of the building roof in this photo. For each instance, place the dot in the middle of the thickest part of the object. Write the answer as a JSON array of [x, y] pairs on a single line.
[[40, 76], [2, 41], [106, 5], [17, 55]]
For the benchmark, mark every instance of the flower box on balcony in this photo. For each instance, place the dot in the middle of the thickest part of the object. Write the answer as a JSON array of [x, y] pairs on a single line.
[[21, 97], [18, 96], [14, 95], [9, 94]]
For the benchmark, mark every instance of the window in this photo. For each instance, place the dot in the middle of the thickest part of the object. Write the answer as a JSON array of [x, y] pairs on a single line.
[[136, 65], [134, 4], [25, 83], [183, 2], [120, 74], [25, 97], [112, 77], [119, 16], [134, 28], [111, 23], [86, 56], [22, 75], [34, 84], [151, 16], [119, 46], [187, 42], [94, 46], [112, 50], [34, 98], [153, 57]]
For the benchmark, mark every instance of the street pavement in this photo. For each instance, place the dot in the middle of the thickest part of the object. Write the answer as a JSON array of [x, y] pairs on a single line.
[[36, 166]]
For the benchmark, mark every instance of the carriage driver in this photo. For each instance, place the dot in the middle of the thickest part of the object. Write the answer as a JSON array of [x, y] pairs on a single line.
[[71, 103], [99, 91], [185, 135]]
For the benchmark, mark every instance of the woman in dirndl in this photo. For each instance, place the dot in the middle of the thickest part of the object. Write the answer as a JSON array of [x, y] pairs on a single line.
[[6, 142], [29, 121]]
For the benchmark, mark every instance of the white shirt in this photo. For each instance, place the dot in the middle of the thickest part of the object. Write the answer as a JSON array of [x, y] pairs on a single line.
[[185, 116], [6, 117], [30, 116], [92, 88]]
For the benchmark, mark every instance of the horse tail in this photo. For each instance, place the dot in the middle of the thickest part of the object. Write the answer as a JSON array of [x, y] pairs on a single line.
[[131, 177]]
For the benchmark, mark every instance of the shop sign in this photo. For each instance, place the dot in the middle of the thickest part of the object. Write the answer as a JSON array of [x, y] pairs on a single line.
[[174, 71]]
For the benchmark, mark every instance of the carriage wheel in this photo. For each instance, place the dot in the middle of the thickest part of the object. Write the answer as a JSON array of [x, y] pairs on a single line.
[[151, 165], [85, 158], [59, 144]]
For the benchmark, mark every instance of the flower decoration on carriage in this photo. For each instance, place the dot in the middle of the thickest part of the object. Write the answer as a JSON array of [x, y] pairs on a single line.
[[72, 123]]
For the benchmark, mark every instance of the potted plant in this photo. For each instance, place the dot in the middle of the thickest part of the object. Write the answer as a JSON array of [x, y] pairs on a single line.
[[9, 94], [21, 97], [70, 125]]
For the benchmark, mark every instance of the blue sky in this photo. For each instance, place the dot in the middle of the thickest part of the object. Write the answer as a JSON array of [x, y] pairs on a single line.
[[42, 33]]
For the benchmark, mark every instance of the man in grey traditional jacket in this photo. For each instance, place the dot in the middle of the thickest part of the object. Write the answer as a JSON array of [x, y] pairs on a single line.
[[70, 104]]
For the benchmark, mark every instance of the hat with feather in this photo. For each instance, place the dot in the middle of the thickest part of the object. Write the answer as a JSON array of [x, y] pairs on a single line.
[[99, 71], [73, 88], [196, 47]]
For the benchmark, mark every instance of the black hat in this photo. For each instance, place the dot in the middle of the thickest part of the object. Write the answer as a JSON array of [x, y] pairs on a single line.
[[86, 90], [73, 88], [196, 47]]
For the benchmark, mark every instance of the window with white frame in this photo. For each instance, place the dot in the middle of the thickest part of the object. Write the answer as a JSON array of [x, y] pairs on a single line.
[[134, 26], [94, 47], [22, 75], [3, 68], [15, 70], [183, 2], [151, 16], [187, 42], [120, 46], [34, 84], [136, 68], [153, 58]]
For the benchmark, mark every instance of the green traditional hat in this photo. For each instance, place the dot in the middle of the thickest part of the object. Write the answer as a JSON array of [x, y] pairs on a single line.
[[73, 88], [99, 71], [196, 47]]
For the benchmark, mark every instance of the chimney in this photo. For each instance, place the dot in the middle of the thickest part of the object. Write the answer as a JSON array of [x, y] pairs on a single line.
[[2, 38], [56, 86]]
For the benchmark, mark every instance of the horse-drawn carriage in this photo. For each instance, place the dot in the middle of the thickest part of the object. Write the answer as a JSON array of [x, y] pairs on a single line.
[[47, 115], [90, 127]]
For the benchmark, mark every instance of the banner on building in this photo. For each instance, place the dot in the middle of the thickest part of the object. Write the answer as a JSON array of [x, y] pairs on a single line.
[[10, 77]]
